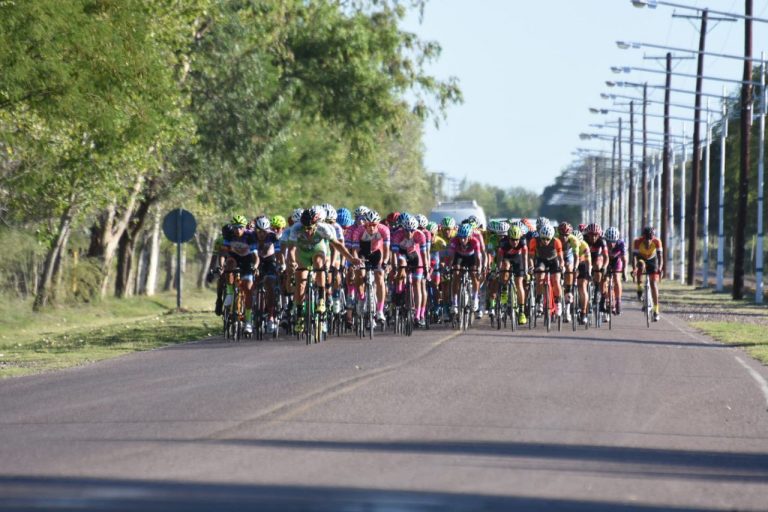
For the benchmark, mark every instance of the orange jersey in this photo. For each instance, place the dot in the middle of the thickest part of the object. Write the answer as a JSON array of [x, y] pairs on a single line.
[[646, 249], [545, 252]]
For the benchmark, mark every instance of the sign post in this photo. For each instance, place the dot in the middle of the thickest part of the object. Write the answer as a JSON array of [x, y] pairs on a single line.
[[179, 227]]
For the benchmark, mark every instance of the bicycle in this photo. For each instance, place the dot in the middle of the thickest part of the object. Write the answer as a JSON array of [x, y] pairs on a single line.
[[609, 298], [647, 301], [312, 330], [259, 310], [507, 310], [234, 315], [366, 310], [597, 295], [463, 320]]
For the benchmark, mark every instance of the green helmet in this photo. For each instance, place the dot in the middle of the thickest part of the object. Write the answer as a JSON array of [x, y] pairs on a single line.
[[432, 227], [239, 220], [515, 231], [277, 222], [448, 222], [493, 226]]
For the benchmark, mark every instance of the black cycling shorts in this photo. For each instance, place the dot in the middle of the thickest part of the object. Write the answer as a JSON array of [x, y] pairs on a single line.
[[551, 265], [465, 261], [583, 270]]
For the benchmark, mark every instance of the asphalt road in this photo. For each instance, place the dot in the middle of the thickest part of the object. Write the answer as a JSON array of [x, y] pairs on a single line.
[[631, 419]]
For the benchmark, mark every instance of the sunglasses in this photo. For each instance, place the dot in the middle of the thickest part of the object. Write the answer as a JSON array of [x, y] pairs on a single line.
[[371, 224], [545, 240], [515, 239]]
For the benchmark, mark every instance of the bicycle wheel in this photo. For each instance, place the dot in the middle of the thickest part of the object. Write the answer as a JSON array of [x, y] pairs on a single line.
[[609, 302], [596, 306], [512, 305], [574, 307], [647, 302], [546, 305]]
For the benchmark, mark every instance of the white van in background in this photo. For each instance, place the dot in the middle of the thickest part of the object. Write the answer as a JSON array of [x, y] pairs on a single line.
[[459, 210]]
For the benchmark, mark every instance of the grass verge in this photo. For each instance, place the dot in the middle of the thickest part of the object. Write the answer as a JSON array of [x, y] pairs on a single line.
[[741, 323], [63, 337], [751, 337]]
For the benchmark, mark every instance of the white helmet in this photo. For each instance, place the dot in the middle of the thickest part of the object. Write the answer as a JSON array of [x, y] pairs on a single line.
[[322, 213], [296, 215], [422, 220], [262, 223], [612, 235]]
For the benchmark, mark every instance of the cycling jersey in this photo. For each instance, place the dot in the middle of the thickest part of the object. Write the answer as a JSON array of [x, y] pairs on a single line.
[[471, 248], [268, 247], [598, 248], [239, 247], [367, 242], [508, 248], [545, 252], [402, 243], [646, 249], [316, 242]]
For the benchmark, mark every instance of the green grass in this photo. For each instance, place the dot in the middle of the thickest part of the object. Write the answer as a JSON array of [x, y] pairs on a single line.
[[749, 336], [62, 337]]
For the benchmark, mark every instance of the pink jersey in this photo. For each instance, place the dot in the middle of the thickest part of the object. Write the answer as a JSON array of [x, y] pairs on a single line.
[[477, 235], [367, 242], [470, 249], [401, 243]]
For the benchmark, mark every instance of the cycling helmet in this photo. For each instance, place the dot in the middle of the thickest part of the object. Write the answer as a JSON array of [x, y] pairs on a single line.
[[432, 227], [528, 224], [262, 223], [546, 231], [321, 213], [405, 218], [423, 220], [410, 224], [310, 216], [371, 216], [612, 235], [473, 220], [582, 227], [296, 215], [393, 218], [330, 213], [239, 220], [579, 236], [277, 222], [594, 229], [649, 232], [522, 226], [448, 222], [542, 221], [565, 228], [494, 226], [344, 217], [465, 230], [515, 232], [360, 210], [503, 228]]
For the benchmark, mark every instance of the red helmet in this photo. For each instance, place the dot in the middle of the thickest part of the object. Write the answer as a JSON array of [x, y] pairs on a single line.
[[565, 228], [594, 229], [582, 227], [392, 218]]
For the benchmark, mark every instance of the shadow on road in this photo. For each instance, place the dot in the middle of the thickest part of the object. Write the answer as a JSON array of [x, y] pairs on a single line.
[[91, 494]]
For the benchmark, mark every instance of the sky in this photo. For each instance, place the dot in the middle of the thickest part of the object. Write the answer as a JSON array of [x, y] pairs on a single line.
[[530, 70]]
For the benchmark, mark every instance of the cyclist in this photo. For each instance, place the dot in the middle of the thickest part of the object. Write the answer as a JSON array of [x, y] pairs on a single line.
[[617, 262], [465, 253], [647, 258], [348, 228], [239, 251], [334, 264], [309, 240], [583, 275], [423, 221], [268, 261], [410, 247], [571, 247], [598, 249], [512, 254], [545, 253], [497, 229], [437, 249], [371, 241], [447, 230]]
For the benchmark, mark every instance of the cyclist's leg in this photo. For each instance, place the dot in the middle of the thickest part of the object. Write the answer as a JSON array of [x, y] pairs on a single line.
[[318, 263]]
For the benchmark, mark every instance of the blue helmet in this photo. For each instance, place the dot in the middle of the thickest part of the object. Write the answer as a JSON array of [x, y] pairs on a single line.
[[465, 230], [344, 217]]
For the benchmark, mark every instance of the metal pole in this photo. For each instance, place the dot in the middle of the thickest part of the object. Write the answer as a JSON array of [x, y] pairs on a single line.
[[693, 208], [178, 259], [613, 183], [683, 211], [760, 189], [740, 235], [657, 217], [705, 218], [670, 218], [631, 196], [651, 186], [644, 163], [721, 199], [622, 227]]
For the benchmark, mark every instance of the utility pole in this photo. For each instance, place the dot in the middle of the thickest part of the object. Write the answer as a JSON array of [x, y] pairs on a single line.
[[666, 175], [621, 190], [644, 163], [746, 121], [613, 183], [693, 204], [631, 214]]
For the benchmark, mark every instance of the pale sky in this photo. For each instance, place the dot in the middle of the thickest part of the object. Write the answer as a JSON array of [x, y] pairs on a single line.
[[531, 69]]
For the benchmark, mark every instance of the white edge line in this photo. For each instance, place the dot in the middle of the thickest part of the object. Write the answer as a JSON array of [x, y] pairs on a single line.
[[761, 382]]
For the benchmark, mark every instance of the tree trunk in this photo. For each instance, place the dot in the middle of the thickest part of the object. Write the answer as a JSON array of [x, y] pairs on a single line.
[[204, 242], [43, 295], [154, 255], [170, 270], [56, 291], [141, 264], [127, 247]]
